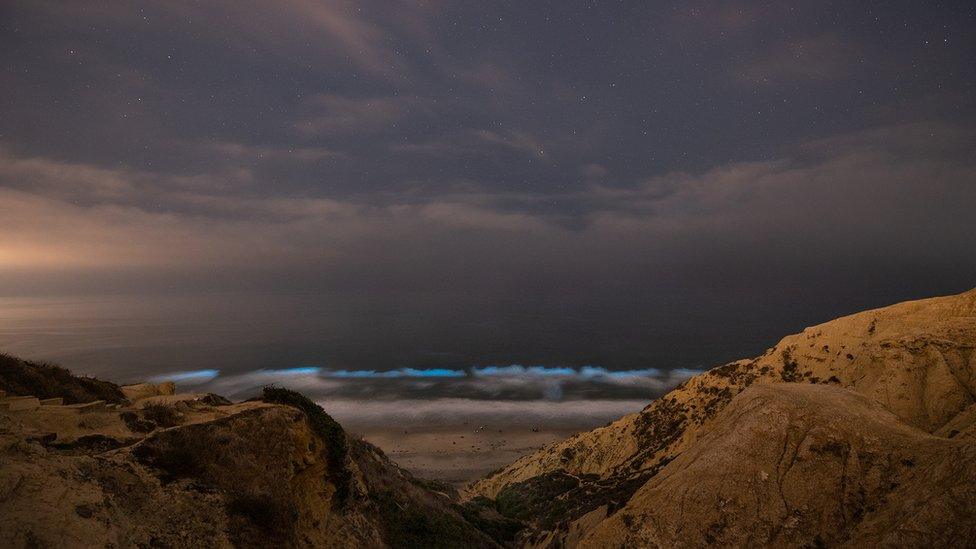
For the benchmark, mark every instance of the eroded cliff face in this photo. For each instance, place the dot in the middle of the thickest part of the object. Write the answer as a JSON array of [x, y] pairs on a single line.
[[914, 360], [254, 474], [801, 465]]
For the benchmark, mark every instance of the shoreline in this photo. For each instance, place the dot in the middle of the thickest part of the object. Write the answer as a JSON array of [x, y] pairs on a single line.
[[458, 455]]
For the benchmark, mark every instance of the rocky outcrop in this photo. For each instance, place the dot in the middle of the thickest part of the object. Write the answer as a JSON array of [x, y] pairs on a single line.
[[24, 377], [142, 391], [803, 465], [914, 360], [276, 473]]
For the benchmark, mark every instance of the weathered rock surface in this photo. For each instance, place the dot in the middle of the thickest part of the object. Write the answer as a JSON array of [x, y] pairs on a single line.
[[793, 464], [192, 474], [141, 391], [901, 380]]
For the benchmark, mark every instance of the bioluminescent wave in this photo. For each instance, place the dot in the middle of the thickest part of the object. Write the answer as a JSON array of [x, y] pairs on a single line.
[[511, 382], [511, 371]]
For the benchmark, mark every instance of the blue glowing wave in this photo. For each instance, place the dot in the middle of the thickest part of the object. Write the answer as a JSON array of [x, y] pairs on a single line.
[[190, 377], [510, 371]]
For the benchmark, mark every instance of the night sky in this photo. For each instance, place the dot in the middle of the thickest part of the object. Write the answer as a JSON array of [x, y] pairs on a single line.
[[622, 184]]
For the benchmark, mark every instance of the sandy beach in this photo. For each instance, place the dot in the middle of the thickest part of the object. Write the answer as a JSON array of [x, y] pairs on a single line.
[[460, 454], [460, 440]]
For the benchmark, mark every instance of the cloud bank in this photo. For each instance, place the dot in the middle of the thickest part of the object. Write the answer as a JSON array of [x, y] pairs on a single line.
[[844, 198]]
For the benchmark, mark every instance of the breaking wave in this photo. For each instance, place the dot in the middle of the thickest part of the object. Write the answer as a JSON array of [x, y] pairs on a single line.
[[510, 382]]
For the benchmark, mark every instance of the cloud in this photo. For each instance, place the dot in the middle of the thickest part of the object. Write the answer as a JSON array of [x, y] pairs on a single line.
[[337, 115], [841, 197], [492, 79], [471, 216], [478, 143], [725, 19], [518, 141], [810, 59], [257, 153], [336, 30], [593, 171], [857, 190]]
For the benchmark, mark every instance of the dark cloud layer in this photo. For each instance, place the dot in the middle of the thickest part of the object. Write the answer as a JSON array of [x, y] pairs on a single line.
[[555, 182]]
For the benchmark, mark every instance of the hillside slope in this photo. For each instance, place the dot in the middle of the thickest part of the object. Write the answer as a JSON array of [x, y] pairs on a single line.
[[23, 377], [198, 471], [803, 465], [914, 360]]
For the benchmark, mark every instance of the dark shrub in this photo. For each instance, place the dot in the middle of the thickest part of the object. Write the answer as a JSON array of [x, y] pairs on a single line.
[[135, 423], [791, 368], [212, 399], [482, 513], [162, 415], [407, 525], [181, 454], [23, 377], [532, 497], [89, 444]]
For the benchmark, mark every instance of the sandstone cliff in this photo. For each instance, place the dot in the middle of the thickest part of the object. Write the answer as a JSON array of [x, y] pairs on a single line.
[[809, 443], [197, 471]]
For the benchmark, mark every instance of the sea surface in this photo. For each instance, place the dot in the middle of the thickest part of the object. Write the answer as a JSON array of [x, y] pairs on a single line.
[[422, 358], [127, 338], [366, 362]]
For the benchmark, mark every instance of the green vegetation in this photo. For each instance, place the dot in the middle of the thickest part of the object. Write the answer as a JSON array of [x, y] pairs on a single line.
[[326, 429], [738, 374], [662, 423], [408, 525], [790, 372], [482, 513], [535, 496], [23, 377], [555, 498]]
